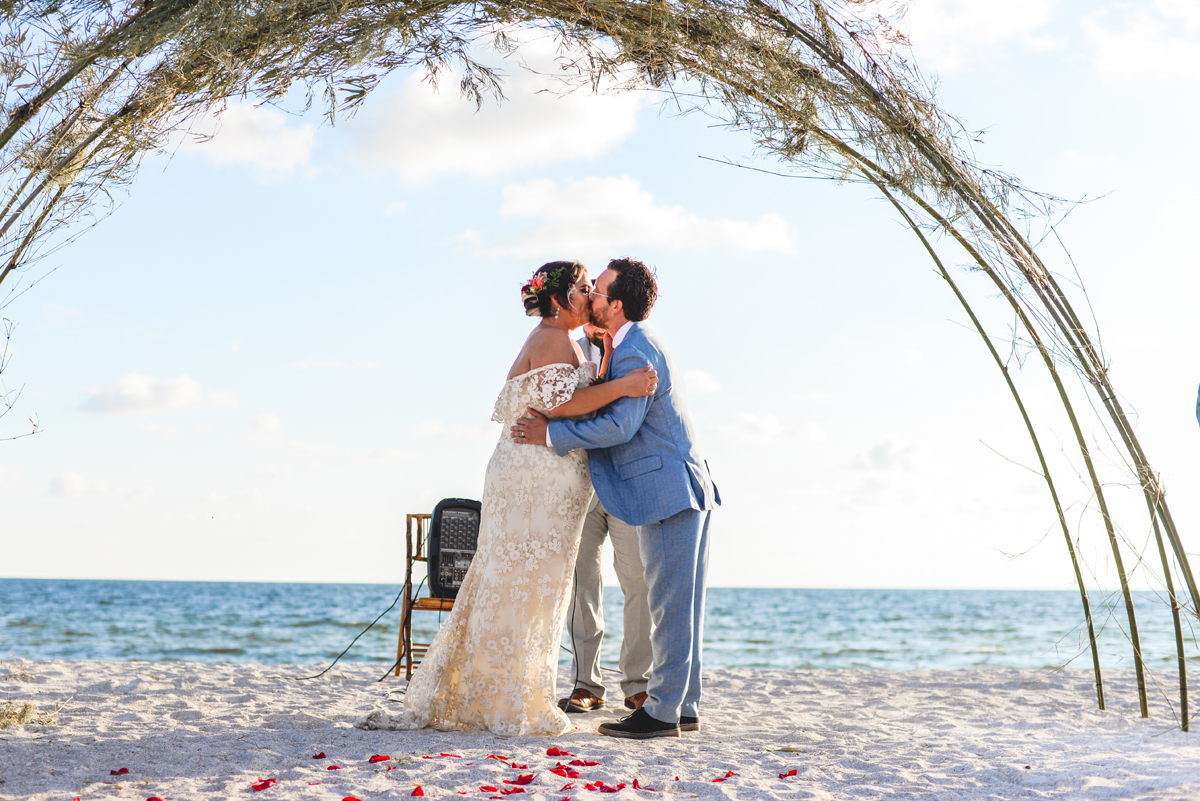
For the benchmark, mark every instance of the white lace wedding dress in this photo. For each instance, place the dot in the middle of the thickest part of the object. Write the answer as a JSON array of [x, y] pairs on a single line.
[[494, 662]]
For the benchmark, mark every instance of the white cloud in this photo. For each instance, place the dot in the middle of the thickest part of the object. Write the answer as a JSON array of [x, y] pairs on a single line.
[[609, 214], [813, 396], [436, 429], [59, 315], [1187, 11], [395, 208], [947, 33], [700, 382], [73, 485], [815, 432], [769, 428], [158, 430], [266, 423], [1143, 44], [887, 456], [420, 132], [259, 137], [331, 365], [140, 395], [756, 427], [11, 478]]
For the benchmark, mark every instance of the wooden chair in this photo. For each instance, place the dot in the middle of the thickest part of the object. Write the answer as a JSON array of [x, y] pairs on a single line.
[[408, 653]]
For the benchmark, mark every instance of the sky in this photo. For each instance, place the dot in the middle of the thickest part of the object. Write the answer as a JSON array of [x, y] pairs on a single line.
[[285, 339]]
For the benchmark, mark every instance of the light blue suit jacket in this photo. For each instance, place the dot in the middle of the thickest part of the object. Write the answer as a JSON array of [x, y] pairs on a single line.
[[641, 451]]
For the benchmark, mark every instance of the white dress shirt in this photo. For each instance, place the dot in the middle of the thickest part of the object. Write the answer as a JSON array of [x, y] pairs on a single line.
[[621, 332]]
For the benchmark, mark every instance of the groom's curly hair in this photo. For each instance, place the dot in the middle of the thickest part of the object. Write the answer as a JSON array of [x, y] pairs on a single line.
[[634, 286]]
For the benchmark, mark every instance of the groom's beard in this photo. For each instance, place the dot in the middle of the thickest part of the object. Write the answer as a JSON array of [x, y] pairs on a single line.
[[599, 318]]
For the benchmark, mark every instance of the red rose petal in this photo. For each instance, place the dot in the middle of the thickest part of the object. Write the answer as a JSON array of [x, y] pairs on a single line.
[[524, 778], [462, 792], [552, 751], [791, 772], [391, 767], [587, 763], [417, 791], [567, 786], [602, 787], [637, 786], [487, 788], [515, 766], [452, 756], [512, 790], [319, 756], [314, 784], [120, 772], [264, 784], [728, 773], [379, 758], [334, 767], [154, 798], [351, 798], [676, 778]]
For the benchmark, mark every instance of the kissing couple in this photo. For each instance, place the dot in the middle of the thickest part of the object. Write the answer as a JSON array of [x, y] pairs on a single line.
[[621, 429]]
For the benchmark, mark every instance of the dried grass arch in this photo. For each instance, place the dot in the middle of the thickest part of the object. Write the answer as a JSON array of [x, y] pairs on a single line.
[[824, 85]]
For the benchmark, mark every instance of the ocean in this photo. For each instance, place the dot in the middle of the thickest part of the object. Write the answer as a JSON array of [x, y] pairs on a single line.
[[311, 624]]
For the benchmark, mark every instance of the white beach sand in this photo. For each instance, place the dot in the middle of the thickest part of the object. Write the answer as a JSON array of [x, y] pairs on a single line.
[[189, 731]]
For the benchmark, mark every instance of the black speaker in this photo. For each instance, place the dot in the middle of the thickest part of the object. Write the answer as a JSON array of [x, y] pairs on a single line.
[[453, 538]]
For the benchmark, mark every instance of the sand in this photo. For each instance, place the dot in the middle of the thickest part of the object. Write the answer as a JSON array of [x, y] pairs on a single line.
[[190, 731]]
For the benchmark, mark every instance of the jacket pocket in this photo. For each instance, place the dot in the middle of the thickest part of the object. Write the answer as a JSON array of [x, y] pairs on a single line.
[[639, 467]]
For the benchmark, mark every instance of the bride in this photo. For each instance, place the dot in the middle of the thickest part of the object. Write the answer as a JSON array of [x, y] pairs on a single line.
[[494, 662]]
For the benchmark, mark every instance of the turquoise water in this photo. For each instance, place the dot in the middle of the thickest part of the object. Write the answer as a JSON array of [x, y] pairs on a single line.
[[779, 628]]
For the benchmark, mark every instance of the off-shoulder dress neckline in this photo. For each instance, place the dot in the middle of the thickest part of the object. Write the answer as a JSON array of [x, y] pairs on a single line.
[[546, 366]]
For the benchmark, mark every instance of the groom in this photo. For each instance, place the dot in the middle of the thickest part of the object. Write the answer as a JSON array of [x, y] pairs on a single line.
[[648, 473]]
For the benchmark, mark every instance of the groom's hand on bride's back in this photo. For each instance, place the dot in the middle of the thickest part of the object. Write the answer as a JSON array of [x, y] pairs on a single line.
[[530, 430]]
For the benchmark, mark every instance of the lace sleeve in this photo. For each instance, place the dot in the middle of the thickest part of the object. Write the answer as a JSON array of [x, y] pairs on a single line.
[[552, 386]]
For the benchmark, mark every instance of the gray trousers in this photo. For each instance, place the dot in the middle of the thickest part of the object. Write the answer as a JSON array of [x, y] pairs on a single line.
[[675, 552], [586, 616]]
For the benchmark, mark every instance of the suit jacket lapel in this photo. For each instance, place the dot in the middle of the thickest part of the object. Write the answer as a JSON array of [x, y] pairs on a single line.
[[632, 328]]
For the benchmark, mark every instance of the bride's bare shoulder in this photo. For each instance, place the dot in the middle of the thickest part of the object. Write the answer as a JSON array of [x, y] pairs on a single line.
[[544, 346]]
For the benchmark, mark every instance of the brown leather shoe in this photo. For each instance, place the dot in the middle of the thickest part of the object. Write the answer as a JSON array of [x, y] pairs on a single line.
[[582, 700], [635, 701]]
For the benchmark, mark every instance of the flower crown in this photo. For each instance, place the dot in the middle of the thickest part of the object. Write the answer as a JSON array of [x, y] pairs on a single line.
[[541, 280]]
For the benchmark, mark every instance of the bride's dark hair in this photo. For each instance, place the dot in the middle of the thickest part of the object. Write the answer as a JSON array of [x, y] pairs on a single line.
[[552, 280]]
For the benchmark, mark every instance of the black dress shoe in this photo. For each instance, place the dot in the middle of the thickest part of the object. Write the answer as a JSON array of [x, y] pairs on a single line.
[[639, 726], [687, 723]]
